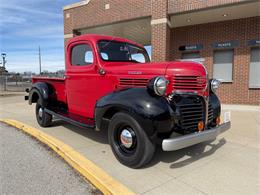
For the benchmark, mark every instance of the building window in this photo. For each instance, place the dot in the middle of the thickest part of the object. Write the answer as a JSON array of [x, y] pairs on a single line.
[[254, 70], [223, 65], [81, 55], [192, 55]]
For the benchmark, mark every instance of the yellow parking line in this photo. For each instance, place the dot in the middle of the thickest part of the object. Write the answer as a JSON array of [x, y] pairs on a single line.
[[88, 169]]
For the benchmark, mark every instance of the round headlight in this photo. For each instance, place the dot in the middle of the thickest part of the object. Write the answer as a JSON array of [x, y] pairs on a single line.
[[160, 85], [214, 85]]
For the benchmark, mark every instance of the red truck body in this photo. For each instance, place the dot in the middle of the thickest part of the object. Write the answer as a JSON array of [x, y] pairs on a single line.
[[83, 86], [111, 84]]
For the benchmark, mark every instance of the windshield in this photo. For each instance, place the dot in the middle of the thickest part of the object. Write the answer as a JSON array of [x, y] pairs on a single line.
[[115, 51]]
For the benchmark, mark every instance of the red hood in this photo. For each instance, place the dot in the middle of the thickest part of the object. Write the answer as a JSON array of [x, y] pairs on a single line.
[[155, 69]]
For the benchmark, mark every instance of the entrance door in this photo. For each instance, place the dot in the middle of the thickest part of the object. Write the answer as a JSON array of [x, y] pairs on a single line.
[[80, 78]]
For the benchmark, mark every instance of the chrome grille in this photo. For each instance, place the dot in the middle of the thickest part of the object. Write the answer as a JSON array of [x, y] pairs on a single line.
[[210, 113], [133, 82], [191, 114], [189, 83]]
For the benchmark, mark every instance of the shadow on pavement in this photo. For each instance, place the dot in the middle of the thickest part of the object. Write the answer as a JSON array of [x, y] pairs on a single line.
[[191, 154], [98, 136]]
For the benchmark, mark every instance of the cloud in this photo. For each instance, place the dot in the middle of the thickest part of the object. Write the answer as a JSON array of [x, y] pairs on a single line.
[[13, 19], [26, 25], [17, 8]]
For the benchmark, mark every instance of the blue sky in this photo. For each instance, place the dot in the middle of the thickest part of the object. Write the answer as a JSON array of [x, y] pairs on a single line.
[[26, 25]]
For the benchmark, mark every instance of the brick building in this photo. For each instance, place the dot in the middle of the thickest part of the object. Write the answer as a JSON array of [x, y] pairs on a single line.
[[224, 34]]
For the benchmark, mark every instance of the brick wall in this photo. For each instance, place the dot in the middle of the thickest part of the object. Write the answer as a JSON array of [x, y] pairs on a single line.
[[94, 13], [160, 32], [177, 6], [243, 30]]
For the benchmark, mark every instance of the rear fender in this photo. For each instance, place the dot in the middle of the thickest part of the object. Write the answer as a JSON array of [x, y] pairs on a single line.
[[41, 91]]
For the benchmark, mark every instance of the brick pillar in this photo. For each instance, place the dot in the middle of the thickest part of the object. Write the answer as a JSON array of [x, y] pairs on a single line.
[[160, 30]]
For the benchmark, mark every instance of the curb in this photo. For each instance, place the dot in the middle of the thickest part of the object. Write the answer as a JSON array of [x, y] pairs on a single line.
[[85, 167]]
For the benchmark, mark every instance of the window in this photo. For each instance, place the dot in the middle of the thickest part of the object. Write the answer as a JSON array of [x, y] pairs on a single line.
[[82, 55], [223, 65], [122, 52], [192, 55], [254, 72]]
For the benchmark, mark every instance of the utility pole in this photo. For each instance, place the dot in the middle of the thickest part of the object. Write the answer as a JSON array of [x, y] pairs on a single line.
[[40, 60], [4, 71]]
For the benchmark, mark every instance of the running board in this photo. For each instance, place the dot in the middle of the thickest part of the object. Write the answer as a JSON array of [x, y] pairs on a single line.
[[73, 119]]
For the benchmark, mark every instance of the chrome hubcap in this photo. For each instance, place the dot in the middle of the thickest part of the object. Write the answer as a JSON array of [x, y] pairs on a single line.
[[40, 112], [126, 138]]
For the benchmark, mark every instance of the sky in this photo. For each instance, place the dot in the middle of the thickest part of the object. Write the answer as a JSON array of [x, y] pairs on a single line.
[[26, 25]]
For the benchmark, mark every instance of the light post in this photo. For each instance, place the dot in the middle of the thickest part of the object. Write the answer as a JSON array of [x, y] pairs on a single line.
[[3, 56], [4, 73]]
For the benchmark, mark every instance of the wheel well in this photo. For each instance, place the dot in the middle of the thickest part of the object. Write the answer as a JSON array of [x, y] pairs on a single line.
[[108, 116], [35, 97], [110, 113]]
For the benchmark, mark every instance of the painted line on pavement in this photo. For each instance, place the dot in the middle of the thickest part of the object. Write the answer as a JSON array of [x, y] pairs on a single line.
[[85, 167]]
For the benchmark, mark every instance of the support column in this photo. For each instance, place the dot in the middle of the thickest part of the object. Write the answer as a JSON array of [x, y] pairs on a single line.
[[161, 31]]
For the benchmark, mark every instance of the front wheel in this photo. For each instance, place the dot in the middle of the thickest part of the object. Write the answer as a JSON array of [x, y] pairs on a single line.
[[129, 142], [43, 118]]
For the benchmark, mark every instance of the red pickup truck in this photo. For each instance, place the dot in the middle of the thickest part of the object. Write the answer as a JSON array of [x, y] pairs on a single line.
[[110, 84]]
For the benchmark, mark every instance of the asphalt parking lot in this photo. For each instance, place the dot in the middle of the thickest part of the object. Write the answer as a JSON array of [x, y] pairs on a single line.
[[228, 165], [28, 167]]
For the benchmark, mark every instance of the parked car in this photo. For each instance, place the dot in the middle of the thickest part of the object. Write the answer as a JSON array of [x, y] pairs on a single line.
[[110, 84]]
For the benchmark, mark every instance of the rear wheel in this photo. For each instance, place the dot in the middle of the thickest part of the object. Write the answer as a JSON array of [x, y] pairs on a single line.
[[129, 142], [44, 119]]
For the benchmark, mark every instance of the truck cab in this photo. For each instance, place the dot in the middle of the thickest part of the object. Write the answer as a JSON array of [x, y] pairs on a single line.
[[111, 85]]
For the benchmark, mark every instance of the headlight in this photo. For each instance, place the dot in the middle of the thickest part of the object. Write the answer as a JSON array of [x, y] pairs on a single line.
[[214, 85], [158, 85]]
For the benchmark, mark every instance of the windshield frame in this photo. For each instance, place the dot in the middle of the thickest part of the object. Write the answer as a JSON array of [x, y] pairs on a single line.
[[144, 52]]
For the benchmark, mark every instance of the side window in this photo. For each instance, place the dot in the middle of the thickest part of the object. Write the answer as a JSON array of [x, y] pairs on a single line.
[[254, 70], [82, 55], [223, 65]]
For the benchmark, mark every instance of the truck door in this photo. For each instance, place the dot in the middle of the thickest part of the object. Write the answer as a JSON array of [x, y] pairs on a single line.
[[80, 78]]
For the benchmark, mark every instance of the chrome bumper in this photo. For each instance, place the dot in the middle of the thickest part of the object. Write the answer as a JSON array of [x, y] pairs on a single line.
[[184, 141]]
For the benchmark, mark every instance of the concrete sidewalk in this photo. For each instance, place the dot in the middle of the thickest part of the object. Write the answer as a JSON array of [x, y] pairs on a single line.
[[229, 165]]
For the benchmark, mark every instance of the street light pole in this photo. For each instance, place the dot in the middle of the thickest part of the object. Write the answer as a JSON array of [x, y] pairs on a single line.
[[4, 73], [40, 60]]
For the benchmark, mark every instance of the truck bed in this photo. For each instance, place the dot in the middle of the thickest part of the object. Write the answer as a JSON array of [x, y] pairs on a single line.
[[58, 85]]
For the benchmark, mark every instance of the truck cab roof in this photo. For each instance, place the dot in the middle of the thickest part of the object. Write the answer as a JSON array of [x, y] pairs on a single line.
[[97, 37]]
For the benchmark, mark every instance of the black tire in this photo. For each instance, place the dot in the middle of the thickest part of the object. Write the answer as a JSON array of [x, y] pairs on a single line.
[[142, 149], [44, 119]]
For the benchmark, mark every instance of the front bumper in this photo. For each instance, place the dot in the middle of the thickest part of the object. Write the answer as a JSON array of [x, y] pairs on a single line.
[[184, 141]]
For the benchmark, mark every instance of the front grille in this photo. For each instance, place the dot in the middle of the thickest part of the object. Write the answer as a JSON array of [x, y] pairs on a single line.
[[189, 82], [191, 115], [133, 82], [210, 114]]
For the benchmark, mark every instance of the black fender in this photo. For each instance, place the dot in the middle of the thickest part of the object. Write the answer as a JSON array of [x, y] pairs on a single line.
[[152, 112], [41, 91], [215, 103]]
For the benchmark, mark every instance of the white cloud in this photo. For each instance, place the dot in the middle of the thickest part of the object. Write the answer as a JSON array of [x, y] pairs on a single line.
[[14, 7], [13, 19]]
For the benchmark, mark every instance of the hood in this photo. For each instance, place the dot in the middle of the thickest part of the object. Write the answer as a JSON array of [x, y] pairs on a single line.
[[124, 68], [175, 68]]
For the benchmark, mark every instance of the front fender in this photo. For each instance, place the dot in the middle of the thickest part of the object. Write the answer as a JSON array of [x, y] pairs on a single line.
[[216, 105], [152, 112]]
